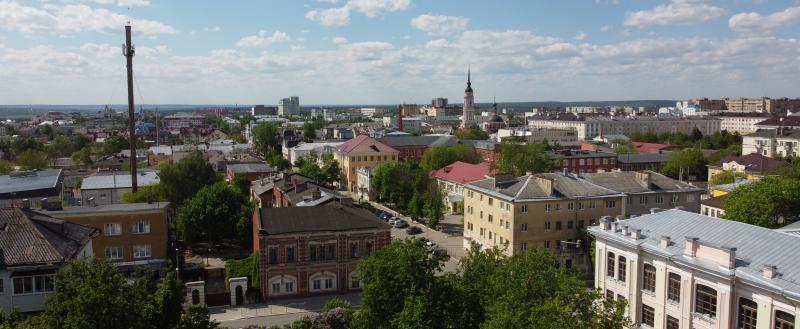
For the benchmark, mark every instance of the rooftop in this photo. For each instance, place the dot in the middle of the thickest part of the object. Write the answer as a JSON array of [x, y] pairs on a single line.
[[462, 172], [329, 218], [363, 144], [533, 187], [29, 238], [120, 207], [249, 168], [780, 121], [753, 162], [774, 133], [652, 147], [20, 182], [144, 178], [715, 202], [643, 158], [756, 247], [409, 140], [637, 182]]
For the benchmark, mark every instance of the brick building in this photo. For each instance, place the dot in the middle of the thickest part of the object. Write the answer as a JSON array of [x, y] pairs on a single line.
[[307, 251], [580, 161], [412, 147]]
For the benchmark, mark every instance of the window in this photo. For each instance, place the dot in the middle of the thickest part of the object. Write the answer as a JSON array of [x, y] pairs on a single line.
[[481, 214], [558, 225], [290, 254], [491, 219], [673, 323], [705, 300], [490, 234], [312, 252], [328, 283], [580, 205], [546, 225], [369, 245], [33, 284], [508, 207], [674, 287], [289, 287], [546, 244], [558, 207], [141, 251], [317, 284], [276, 288], [748, 314], [141, 227], [524, 208], [113, 229], [491, 201], [548, 207], [592, 205], [622, 264], [611, 204], [353, 250], [649, 278], [524, 227], [570, 225], [508, 225], [2, 287], [580, 223], [609, 294], [273, 255], [784, 320], [643, 199], [113, 253], [610, 260], [659, 199], [674, 198], [648, 315], [524, 246], [570, 206], [622, 298]]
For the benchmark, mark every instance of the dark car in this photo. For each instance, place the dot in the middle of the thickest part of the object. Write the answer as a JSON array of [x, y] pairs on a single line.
[[413, 230]]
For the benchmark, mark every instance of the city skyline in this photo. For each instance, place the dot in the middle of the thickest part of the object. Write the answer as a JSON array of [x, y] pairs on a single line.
[[393, 51]]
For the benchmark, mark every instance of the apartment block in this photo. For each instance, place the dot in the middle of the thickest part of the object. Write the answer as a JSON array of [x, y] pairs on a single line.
[[782, 142], [590, 125], [678, 269]]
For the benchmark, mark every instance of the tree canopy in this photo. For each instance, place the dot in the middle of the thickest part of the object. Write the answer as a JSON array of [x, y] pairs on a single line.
[[519, 158], [266, 138], [725, 177], [212, 214], [32, 159], [474, 132], [440, 156], [183, 179], [770, 202], [410, 189], [688, 162]]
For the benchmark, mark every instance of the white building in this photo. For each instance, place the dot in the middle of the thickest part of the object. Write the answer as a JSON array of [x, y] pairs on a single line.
[[589, 126], [363, 187], [108, 189], [678, 269], [304, 149], [742, 123], [289, 106], [773, 143], [183, 121], [370, 111], [410, 124], [560, 136]]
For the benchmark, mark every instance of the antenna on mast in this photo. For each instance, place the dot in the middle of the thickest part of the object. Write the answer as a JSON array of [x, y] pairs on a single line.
[[128, 51]]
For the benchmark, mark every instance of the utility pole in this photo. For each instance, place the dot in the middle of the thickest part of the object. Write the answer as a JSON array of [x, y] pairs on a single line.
[[128, 51]]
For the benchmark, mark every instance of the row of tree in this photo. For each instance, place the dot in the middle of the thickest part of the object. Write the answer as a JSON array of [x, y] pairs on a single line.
[[408, 187], [92, 293], [717, 141], [403, 288]]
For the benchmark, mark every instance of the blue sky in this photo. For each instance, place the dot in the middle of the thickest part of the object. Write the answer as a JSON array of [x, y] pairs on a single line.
[[390, 51]]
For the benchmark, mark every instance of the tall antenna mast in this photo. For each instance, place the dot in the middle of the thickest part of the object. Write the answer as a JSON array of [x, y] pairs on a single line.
[[128, 51]]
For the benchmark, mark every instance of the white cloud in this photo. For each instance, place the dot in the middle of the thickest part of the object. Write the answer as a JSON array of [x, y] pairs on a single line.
[[677, 12], [73, 19], [263, 39], [581, 35], [329, 1], [340, 16], [339, 40], [439, 24], [133, 3], [332, 17], [605, 28], [213, 29], [756, 23]]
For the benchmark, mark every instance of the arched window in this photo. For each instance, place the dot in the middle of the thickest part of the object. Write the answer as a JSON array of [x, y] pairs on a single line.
[[322, 281], [282, 285], [705, 300], [610, 264], [354, 281], [195, 297]]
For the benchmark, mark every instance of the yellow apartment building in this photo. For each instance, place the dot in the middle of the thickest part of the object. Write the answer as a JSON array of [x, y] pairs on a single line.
[[362, 151]]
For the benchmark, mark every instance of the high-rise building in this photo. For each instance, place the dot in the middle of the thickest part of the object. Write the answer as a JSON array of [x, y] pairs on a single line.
[[468, 112], [439, 102], [289, 106]]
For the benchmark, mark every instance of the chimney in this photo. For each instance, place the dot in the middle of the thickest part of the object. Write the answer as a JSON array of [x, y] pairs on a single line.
[[26, 204], [636, 234], [565, 172], [690, 249], [545, 184], [665, 241], [643, 177], [316, 194], [625, 230], [614, 226], [769, 271], [605, 222]]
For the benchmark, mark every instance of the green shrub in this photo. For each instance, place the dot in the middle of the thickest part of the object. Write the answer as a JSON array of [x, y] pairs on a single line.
[[245, 267]]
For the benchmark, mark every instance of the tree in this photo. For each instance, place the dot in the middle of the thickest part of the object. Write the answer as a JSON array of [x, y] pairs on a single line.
[[211, 215], [725, 177], [115, 144], [62, 145], [277, 161], [149, 193], [770, 202], [474, 132], [6, 167], [440, 156], [687, 162], [84, 155], [520, 159], [621, 146], [330, 169], [32, 159], [309, 131], [696, 134], [166, 307], [196, 317], [265, 138], [433, 208], [184, 179], [241, 184], [22, 144]]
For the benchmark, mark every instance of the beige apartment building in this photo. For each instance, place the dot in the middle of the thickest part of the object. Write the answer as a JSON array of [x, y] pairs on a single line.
[[590, 125], [773, 143], [362, 151], [742, 123], [761, 105], [561, 136], [681, 270]]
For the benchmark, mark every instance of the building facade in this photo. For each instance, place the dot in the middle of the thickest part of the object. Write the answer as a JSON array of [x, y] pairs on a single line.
[[31, 185], [752, 166], [782, 142], [289, 106], [678, 269], [646, 190], [413, 147], [183, 121], [451, 180], [131, 234], [307, 251], [741, 123], [590, 125], [581, 161], [361, 151], [109, 189], [553, 136]]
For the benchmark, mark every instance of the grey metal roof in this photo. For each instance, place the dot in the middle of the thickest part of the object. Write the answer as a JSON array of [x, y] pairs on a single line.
[[409, 140], [643, 157], [119, 207], [28, 181], [329, 218], [29, 238], [626, 182], [528, 187], [731, 186], [755, 246], [145, 178]]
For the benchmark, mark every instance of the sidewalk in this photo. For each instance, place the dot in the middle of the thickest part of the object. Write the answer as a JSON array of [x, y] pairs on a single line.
[[224, 314]]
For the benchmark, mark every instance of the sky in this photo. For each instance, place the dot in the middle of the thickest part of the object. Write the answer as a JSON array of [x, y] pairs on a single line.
[[393, 51]]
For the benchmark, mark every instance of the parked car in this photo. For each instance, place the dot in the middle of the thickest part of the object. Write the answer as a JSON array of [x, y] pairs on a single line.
[[379, 213], [440, 252], [430, 246], [413, 230], [400, 223]]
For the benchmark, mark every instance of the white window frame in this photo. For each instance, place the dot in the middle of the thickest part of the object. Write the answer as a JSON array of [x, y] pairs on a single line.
[[142, 251], [108, 231], [119, 254], [33, 284], [141, 227]]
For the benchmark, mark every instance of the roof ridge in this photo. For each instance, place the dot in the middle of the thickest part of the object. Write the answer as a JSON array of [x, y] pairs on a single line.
[[524, 185]]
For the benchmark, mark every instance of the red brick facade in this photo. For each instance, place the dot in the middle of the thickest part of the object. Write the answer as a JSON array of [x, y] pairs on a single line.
[[587, 161], [335, 257]]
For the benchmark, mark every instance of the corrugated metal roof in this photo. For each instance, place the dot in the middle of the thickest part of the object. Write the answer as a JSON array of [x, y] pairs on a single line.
[[527, 187], [145, 178], [755, 246], [626, 182], [34, 180]]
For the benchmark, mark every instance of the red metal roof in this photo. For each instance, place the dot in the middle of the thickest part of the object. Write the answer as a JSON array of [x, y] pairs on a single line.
[[364, 143], [652, 147], [462, 172]]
